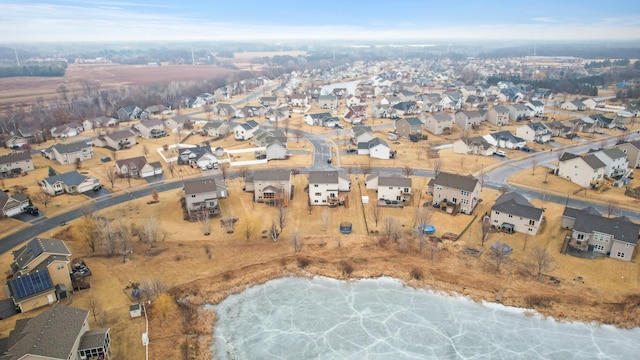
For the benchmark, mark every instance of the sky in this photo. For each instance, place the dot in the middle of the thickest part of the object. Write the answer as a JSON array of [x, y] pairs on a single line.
[[281, 20]]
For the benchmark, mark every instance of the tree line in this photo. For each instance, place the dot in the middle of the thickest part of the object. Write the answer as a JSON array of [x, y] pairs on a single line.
[[54, 68]]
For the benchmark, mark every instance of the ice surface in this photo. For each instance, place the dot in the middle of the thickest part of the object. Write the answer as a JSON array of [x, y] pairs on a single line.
[[322, 318]]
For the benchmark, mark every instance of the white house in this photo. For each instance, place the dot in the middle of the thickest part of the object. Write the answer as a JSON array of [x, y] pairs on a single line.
[[506, 140], [582, 170], [498, 115], [390, 187], [512, 212], [475, 145], [375, 148], [245, 130], [537, 107], [534, 132], [325, 186], [615, 160]]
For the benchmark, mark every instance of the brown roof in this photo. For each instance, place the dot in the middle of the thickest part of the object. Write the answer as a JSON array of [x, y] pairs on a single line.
[[15, 157], [467, 183], [199, 186]]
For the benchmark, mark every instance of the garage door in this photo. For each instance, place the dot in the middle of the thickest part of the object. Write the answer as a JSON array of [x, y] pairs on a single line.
[[13, 212], [147, 173], [157, 171]]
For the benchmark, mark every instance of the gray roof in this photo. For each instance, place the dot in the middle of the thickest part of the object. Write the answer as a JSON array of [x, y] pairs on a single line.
[[467, 183], [441, 116], [614, 153], [574, 213], [51, 334], [621, 228], [516, 204], [500, 109], [394, 180], [593, 161], [70, 147], [272, 175], [120, 134], [93, 339], [537, 103], [15, 157], [71, 178], [137, 162], [507, 136], [568, 156], [477, 141], [324, 177], [200, 186], [151, 123], [26, 254], [412, 121], [536, 126]]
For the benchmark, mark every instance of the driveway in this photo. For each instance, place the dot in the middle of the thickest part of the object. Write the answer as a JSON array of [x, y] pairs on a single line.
[[97, 193]]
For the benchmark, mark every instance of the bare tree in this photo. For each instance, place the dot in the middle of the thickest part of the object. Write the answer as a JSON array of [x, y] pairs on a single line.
[[437, 166], [482, 177], [365, 169], [78, 163], [172, 168], [375, 212], [243, 171], [151, 231], [324, 219], [543, 260], [273, 232], [154, 195], [534, 164], [223, 171], [408, 170], [485, 228], [295, 240], [205, 221], [462, 160], [94, 307], [43, 198], [248, 229], [87, 211], [110, 174], [154, 287], [612, 207], [281, 217], [391, 229], [499, 256], [229, 222]]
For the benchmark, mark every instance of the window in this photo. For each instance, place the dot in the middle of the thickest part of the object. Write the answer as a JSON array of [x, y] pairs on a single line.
[[497, 212], [580, 237], [495, 221], [598, 247], [464, 193], [532, 222], [510, 216], [315, 185], [318, 194], [620, 254]]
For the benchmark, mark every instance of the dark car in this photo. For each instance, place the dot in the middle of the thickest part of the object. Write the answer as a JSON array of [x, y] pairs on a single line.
[[32, 210]]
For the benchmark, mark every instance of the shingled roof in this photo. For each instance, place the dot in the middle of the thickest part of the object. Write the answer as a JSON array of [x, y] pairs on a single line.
[[467, 183], [516, 204]]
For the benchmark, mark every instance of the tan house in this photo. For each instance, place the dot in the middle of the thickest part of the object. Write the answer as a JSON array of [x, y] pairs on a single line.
[[216, 128], [439, 122], [455, 193], [117, 140], [632, 150], [475, 145], [328, 102], [12, 204], [69, 153], [137, 167], [58, 333], [498, 115], [39, 274], [201, 196], [468, 119], [272, 186], [151, 129], [513, 212], [409, 127], [581, 170], [15, 163]]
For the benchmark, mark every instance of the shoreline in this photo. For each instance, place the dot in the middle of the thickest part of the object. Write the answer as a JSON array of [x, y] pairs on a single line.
[[513, 288]]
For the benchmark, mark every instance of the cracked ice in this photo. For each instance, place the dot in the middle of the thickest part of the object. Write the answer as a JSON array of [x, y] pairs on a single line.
[[322, 318]]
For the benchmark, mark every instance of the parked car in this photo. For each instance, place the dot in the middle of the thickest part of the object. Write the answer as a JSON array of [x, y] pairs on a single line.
[[621, 127], [105, 158], [598, 132], [500, 153], [31, 210]]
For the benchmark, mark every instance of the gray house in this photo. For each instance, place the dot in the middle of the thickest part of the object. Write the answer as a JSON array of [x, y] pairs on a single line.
[[15, 163], [409, 127], [69, 153], [512, 212], [272, 186], [454, 193]]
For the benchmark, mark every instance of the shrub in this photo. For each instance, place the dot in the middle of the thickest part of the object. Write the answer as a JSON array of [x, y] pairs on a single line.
[[416, 274], [303, 262], [346, 268]]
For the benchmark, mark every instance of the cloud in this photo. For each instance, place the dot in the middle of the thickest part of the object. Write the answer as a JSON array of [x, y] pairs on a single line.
[[544, 20]]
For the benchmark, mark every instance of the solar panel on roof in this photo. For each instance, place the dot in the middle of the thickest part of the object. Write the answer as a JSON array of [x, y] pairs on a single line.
[[30, 284], [35, 247]]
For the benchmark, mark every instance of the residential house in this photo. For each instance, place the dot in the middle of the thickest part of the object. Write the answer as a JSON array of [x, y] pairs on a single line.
[[197, 156], [69, 183], [473, 145], [390, 187], [99, 122], [66, 131], [15, 163], [603, 121], [409, 127], [340, 93], [455, 193], [245, 130], [355, 114], [177, 123], [201, 197], [12, 204], [158, 109], [69, 153], [439, 122], [118, 140], [272, 186], [469, 119], [361, 134], [406, 108], [16, 142], [632, 150], [252, 111], [616, 162], [270, 101], [534, 132], [216, 128], [498, 115], [325, 186], [536, 107], [278, 114], [519, 112], [581, 170], [224, 111], [59, 333], [328, 101], [513, 212], [505, 139], [591, 232], [151, 129], [137, 167], [276, 150], [560, 129], [131, 113], [202, 100], [40, 274], [322, 119], [299, 100], [574, 105], [376, 148], [263, 137], [29, 131]]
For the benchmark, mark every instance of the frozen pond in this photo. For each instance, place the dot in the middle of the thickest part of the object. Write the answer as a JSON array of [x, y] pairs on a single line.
[[321, 318]]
